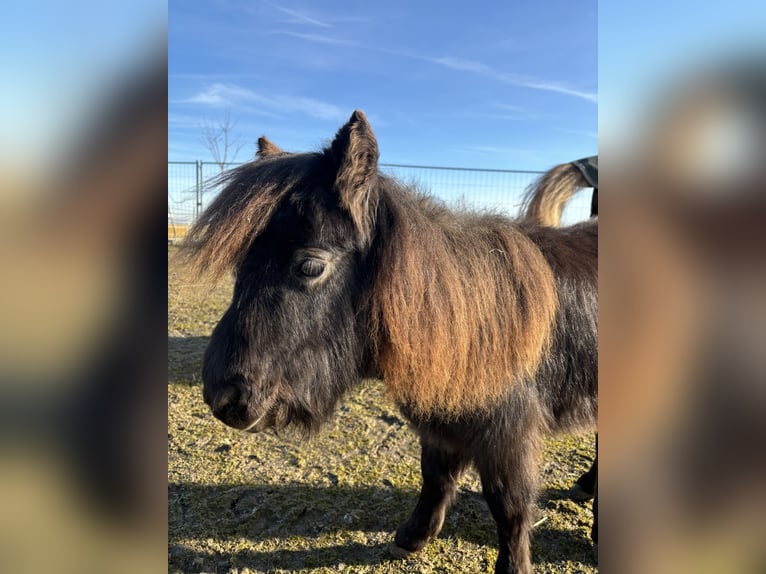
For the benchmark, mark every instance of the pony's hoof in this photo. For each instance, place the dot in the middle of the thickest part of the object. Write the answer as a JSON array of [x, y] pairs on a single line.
[[579, 494], [399, 552]]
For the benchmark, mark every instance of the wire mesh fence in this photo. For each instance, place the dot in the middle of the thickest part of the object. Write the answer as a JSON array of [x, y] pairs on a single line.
[[190, 190]]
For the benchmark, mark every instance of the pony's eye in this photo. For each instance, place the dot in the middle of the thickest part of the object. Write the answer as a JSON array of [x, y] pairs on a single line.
[[311, 268]]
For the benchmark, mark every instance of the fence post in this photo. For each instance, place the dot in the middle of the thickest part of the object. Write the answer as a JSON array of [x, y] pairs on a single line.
[[198, 208]]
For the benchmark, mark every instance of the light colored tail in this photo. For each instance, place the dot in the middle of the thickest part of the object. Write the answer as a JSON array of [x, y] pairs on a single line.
[[545, 201]]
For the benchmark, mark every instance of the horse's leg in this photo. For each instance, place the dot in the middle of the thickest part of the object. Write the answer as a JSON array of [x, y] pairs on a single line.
[[509, 482], [441, 469]]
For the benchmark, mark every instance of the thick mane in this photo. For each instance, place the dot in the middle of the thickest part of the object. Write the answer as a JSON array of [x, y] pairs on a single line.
[[224, 232], [462, 308]]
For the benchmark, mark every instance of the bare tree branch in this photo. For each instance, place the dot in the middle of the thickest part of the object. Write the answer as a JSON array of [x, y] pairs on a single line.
[[218, 138]]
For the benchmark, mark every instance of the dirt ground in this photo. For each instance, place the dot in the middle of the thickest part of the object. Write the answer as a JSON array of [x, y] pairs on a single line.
[[269, 502]]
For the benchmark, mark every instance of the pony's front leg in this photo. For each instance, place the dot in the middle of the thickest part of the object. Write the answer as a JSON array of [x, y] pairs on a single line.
[[441, 469]]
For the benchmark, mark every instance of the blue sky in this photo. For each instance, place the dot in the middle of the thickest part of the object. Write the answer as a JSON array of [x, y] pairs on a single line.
[[510, 86]]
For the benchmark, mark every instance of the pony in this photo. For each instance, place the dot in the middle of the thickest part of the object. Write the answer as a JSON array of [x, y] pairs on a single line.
[[483, 328]]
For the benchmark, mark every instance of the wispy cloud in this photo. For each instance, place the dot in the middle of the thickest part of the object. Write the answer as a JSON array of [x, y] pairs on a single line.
[[502, 112], [219, 94], [233, 95], [561, 89], [459, 64], [583, 133], [183, 121], [496, 150], [210, 77], [482, 69], [510, 108], [463, 65], [480, 113], [313, 38], [315, 108], [299, 16]]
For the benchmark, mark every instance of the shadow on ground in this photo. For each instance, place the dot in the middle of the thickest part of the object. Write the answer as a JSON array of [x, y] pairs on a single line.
[[185, 358], [277, 527]]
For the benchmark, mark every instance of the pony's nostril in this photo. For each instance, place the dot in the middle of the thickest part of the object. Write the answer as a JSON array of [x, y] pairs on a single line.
[[225, 397]]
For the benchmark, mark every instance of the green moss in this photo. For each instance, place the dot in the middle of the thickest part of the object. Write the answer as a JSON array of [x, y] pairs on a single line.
[[245, 503]]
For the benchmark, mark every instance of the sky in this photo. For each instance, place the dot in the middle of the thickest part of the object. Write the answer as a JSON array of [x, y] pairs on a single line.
[[513, 86]]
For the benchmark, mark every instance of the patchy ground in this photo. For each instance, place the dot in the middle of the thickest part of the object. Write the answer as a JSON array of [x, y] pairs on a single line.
[[274, 503]]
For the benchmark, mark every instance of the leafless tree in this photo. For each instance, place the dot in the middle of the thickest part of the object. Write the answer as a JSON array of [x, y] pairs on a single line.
[[220, 141]]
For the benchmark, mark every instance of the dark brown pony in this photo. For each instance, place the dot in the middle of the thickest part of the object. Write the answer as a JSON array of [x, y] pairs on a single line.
[[482, 328]]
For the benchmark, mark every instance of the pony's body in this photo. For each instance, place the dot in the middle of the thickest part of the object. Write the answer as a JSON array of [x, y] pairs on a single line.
[[483, 328], [504, 443], [564, 387]]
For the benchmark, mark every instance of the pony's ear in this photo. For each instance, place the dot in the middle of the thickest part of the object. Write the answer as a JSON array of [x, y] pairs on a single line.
[[354, 154], [266, 148]]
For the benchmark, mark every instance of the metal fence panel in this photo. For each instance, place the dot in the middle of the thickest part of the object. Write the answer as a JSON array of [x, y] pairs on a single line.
[[190, 189]]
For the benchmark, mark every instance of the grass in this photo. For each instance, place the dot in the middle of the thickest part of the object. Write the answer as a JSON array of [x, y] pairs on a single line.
[[177, 231], [273, 503]]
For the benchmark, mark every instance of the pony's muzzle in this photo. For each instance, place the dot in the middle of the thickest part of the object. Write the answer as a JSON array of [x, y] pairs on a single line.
[[230, 402]]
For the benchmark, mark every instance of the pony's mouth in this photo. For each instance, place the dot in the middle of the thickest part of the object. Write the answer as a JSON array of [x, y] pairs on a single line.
[[258, 424], [274, 414]]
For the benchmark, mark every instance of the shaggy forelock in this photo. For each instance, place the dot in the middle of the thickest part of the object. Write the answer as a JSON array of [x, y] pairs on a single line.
[[219, 240]]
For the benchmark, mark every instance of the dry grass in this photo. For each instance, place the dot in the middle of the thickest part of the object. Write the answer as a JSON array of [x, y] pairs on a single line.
[[177, 231], [267, 503]]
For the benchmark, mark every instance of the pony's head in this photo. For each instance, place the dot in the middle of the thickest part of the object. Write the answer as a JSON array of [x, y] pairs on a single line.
[[295, 229]]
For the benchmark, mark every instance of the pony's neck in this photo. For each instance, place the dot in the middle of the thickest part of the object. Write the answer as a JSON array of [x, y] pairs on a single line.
[[451, 294]]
